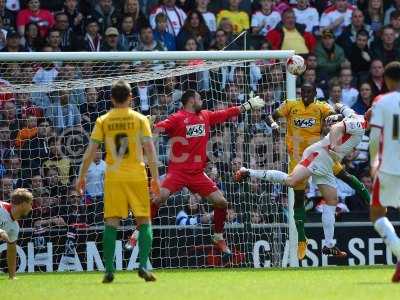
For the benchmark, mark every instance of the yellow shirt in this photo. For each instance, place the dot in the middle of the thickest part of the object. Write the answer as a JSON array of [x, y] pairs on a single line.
[[123, 131], [293, 40], [63, 166], [239, 19], [304, 124]]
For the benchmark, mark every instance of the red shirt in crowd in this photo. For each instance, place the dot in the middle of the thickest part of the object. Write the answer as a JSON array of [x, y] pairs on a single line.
[[43, 18]]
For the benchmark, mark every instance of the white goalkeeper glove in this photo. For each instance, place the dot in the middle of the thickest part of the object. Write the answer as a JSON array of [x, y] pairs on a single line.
[[254, 102], [332, 119]]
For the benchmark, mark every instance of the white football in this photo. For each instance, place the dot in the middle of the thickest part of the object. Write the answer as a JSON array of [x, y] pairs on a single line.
[[295, 65]]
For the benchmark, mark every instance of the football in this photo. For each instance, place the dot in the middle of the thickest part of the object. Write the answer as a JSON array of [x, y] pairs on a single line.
[[295, 65]]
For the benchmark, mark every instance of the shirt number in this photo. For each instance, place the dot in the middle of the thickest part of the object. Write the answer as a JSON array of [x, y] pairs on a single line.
[[122, 144]]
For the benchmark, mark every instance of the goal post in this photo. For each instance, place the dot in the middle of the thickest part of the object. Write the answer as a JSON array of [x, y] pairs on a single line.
[[49, 102]]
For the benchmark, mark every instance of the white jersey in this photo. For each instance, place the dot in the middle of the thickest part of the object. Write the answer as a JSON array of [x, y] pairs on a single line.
[[269, 21], [331, 14], [175, 18], [308, 17], [386, 116], [7, 223]]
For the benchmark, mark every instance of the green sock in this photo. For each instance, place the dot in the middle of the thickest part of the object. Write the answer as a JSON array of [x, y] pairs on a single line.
[[360, 188], [299, 214], [109, 237], [145, 239]]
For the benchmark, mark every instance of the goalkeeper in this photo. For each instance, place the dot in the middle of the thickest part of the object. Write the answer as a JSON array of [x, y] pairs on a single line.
[[126, 134], [189, 131], [305, 121]]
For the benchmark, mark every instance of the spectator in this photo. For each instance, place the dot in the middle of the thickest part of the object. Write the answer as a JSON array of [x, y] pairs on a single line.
[[70, 41], [193, 213], [330, 56], [209, 17], [92, 109], [62, 113], [364, 99], [375, 78], [13, 168], [349, 35], [337, 17], [75, 17], [310, 76], [360, 55], [26, 108], [58, 160], [393, 7], [33, 41], [176, 16], [54, 40], [36, 185], [28, 132], [232, 41], [306, 15], [6, 188], [13, 43], [106, 15], [110, 43], [10, 117], [220, 41], [68, 72], [395, 23], [335, 92], [349, 93], [386, 50], [7, 147], [291, 36], [94, 183], [42, 17], [265, 19], [375, 15], [239, 19], [92, 38], [144, 97], [194, 27], [7, 16], [3, 34], [46, 73], [132, 9], [161, 33], [147, 42], [129, 38]]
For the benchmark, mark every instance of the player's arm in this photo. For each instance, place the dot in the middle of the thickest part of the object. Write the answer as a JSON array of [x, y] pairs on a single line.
[[11, 259], [335, 135], [88, 157], [376, 124]]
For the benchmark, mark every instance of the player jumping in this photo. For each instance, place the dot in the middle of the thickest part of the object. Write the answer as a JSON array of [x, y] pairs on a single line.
[[317, 162], [384, 147], [19, 207], [189, 132], [126, 135]]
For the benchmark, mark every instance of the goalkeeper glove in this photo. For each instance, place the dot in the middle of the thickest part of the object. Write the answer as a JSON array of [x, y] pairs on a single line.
[[332, 119], [254, 102]]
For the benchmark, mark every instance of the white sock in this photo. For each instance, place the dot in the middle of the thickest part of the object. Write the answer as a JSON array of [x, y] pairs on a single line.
[[387, 232], [328, 223], [269, 175]]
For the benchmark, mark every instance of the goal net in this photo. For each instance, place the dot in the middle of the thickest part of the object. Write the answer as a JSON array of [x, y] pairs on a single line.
[[49, 104]]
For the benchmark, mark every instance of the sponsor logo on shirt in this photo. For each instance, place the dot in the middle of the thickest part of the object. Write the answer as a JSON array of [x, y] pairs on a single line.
[[304, 123], [195, 130]]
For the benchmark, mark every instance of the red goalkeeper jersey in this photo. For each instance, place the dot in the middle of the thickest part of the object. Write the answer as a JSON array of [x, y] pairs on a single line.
[[189, 134]]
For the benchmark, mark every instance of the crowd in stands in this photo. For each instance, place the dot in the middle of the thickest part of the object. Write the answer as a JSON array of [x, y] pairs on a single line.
[[346, 45]]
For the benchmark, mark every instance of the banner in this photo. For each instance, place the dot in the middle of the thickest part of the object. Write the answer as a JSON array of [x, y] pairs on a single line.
[[177, 247]]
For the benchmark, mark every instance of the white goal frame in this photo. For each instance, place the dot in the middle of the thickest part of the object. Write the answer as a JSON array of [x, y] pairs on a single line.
[[178, 55]]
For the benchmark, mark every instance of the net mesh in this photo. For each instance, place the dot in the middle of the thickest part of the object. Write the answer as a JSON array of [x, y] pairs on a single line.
[[48, 111]]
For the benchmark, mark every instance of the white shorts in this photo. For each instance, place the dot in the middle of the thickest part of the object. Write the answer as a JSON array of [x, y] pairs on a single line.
[[320, 164], [386, 190]]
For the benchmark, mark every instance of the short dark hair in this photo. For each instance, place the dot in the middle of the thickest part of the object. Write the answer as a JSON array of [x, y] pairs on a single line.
[[21, 195], [363, 32], [395, 14], [392, 71], [120, 91], [187, 95]]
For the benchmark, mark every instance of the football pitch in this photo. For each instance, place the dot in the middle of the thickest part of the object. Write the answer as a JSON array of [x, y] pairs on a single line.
[[324, 283]]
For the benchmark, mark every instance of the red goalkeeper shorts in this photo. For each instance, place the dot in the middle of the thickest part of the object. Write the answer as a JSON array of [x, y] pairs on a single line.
[[197, 183]]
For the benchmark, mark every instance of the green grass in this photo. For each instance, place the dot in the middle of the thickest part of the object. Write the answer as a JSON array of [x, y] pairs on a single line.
[[266, 284]]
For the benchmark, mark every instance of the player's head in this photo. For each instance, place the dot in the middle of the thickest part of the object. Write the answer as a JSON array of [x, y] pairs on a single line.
[[21, 200], [191, 100], [308, 93], [392, 75], [121, 94]]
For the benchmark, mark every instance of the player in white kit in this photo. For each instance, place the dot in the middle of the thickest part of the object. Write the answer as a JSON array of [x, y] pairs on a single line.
[[385, 159], [317, 162], [19, 207]]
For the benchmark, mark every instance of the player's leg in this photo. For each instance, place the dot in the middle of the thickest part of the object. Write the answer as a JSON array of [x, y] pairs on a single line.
[[329, 193], [109, 238], [378, 216], [352, 181]]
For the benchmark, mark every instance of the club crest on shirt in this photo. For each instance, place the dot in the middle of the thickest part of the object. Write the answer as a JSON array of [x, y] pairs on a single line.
[[195, 130], [304, 123]]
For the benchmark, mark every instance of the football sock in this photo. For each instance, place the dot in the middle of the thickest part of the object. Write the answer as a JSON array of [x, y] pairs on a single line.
[[387, 232], [109, 237], [299, 214], [269, 175], [219, 219], [145, 240], [328, 223], [359, 187]]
